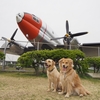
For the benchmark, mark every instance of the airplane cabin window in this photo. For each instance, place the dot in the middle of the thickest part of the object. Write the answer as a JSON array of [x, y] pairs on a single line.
[[36, 18]]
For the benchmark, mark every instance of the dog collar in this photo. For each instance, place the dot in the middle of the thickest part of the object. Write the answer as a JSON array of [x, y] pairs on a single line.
[[51, 70]]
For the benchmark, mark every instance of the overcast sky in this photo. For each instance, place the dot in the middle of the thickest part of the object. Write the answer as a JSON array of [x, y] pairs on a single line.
[[83, 15]]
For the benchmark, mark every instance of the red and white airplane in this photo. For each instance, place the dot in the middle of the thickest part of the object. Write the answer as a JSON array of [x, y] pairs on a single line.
[[36, 31], [39, 34]]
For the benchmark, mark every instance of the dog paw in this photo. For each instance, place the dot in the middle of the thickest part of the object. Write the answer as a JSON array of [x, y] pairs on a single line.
[[60, 92], [54, 91], [81, 95], [48, 90], [67, 95]]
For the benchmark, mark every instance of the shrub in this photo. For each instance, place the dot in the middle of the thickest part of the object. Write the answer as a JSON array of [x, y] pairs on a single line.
[[94, 62], [34, 58], [2, 56]]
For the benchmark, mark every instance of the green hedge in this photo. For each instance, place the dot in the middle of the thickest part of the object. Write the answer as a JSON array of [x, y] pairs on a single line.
[[2, 56], [94, 62], [34, 58]]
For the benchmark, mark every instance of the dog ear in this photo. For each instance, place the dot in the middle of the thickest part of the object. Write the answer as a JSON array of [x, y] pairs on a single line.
[[70, 62], [60, 60], [60, 65], [53, 63]]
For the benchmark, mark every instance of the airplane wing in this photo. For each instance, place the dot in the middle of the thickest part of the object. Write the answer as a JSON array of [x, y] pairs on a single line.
[[7, 51], [17, 51], [15, 48], [5, 48]]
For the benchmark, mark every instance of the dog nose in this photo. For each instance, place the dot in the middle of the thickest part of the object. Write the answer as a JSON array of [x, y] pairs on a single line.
[[45, 63], [64, 66]]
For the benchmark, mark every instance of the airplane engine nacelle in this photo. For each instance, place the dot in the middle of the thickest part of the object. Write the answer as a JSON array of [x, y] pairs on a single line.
[[16, 49], [29, 25]]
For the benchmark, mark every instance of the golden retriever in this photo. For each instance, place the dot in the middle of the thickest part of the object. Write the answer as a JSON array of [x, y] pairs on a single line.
[[70, 80], [53, 75]]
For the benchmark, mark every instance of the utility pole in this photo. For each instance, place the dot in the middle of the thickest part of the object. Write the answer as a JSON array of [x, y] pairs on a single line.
[[98, 51], [5, 46]]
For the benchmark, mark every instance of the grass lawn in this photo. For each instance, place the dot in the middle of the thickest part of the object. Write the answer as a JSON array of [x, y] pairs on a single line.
[[26, 86]]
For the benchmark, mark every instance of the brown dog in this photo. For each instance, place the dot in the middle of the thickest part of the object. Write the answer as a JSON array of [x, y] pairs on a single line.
[[53, 75], [70, 80]]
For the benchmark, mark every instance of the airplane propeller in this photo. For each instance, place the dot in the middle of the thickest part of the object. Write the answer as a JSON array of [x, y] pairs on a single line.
[[69, 36], [20, 48], [11, 40]]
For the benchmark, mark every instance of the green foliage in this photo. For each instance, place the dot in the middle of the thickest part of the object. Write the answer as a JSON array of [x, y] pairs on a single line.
[[95, 62], [2, 56], [34, 58]]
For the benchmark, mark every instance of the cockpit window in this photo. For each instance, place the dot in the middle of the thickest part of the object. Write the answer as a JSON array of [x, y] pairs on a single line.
[[35, 18]]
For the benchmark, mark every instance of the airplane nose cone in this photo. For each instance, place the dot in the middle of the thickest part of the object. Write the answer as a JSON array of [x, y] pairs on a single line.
[[19, 17]]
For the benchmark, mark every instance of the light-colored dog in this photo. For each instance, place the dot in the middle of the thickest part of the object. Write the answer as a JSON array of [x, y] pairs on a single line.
[[70, 80], [53, 75]]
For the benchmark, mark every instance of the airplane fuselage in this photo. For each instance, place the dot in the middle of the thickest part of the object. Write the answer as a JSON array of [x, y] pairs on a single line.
[[36, 31]]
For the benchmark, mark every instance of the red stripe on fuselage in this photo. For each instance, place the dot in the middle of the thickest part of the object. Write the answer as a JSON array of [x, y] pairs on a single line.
[[43, 34]]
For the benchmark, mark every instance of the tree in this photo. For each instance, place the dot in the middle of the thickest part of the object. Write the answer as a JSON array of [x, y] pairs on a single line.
[[2, 56]]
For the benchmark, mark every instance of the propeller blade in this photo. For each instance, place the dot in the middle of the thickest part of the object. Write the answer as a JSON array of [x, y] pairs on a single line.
[[6, 39], [78, 34], [67, 27], [12, 38], [57, 38], [9, 44]]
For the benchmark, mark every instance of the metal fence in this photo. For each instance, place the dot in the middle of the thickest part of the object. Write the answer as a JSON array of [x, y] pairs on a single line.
[[88, 50]]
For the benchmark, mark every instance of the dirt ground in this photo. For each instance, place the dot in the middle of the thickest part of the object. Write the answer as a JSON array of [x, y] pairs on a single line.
[[35, 88]]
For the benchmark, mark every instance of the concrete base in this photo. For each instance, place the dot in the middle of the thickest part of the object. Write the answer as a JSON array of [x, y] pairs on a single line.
[[94, 75]]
